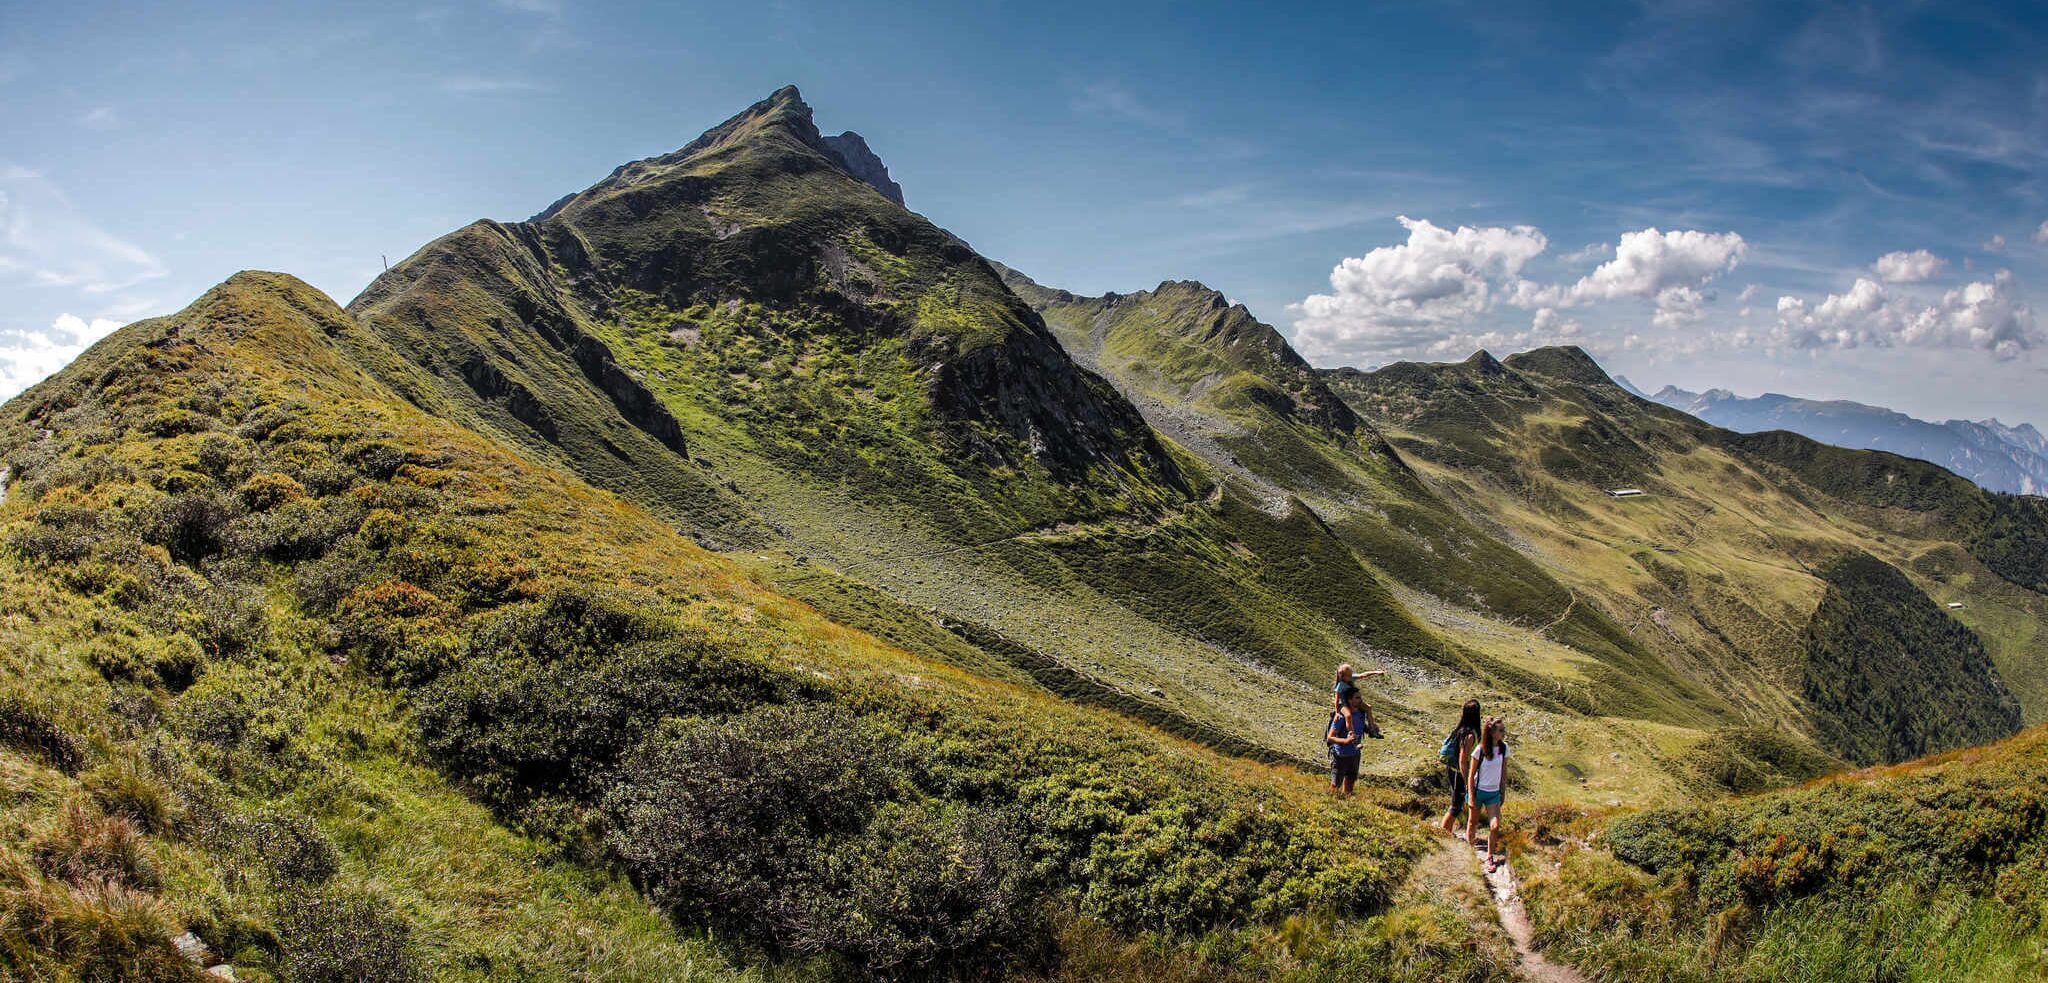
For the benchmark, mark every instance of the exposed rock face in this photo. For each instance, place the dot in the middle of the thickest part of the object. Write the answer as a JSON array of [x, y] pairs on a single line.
[[862, 163]]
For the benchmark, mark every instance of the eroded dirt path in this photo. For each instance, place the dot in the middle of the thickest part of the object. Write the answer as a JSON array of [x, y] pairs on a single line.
[[1507, 903]]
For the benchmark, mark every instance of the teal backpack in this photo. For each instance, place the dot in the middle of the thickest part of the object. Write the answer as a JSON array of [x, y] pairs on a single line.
[[1448, 754]]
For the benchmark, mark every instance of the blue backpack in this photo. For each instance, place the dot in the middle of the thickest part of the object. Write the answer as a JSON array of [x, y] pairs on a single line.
[[1453, 743]]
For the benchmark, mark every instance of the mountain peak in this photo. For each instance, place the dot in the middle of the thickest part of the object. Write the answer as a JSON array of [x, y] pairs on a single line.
[[1484, 362], [1569, 362], [784, 110]]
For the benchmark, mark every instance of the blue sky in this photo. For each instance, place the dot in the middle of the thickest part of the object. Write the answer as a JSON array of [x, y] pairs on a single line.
[[1828, 200]]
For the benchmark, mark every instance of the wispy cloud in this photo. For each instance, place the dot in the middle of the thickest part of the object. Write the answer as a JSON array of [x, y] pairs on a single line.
[[46, 242], [1229, 194], [100, 118], [1115, 100], [482, 85]]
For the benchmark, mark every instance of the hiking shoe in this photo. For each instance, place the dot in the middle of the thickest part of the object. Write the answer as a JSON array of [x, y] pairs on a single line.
[[1373, 731]]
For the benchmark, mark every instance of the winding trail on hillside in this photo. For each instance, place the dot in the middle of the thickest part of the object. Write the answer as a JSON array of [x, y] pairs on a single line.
[[1507, 903], [1568, 609]]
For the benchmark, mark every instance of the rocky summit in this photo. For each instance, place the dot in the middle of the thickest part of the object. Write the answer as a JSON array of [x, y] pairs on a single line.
[[729, 573]]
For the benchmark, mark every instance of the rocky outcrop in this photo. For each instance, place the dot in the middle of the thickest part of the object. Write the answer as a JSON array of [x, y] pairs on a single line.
[[493, 386], [862, 163], [1069, 418]]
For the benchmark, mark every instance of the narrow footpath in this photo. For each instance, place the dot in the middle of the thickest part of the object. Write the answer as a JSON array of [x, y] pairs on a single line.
[[1507, 903]]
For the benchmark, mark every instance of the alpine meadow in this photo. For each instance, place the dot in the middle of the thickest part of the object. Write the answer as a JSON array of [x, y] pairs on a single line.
[[729, 573]]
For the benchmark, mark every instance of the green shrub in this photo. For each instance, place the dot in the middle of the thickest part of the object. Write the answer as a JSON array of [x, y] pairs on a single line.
[[126, 789], [93, 931], [267, 490], [331, 936], [545, 697], [1423, 942], [250, 713], [399, 630], [925, 888], [30, 730], [174, 421], [59, 534], [786, 825], [292, 847], [189, 525]]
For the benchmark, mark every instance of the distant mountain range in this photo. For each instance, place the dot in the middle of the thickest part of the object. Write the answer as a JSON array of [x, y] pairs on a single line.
[[1992, 454]]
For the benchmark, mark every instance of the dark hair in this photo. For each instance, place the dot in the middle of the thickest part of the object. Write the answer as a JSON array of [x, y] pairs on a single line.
[[1487, 742], [1468, 721]]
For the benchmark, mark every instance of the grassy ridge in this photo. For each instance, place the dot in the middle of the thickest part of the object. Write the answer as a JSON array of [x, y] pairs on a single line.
[[1720, 570], [308, 597], [1927, 871]]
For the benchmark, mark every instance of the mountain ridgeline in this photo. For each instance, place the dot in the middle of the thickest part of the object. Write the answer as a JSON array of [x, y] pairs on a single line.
[[1999, 457], [727, 519]]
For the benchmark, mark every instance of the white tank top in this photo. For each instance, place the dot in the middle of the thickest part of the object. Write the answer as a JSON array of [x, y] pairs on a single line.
[[1486, 772]]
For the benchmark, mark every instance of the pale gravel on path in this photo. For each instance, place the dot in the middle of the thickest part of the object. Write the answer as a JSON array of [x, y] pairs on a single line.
[[1507, 897]]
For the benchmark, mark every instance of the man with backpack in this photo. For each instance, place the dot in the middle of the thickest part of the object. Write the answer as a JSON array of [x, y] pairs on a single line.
[[1456, 756], [1347, 726]]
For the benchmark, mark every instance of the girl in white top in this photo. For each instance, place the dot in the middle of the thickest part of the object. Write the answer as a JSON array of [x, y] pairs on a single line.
[[1489, 787]]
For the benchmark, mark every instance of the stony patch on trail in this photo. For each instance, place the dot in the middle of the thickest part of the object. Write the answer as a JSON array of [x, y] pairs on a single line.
[[1507, 901]]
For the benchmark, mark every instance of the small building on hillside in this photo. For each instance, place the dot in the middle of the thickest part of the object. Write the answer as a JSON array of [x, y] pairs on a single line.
[[1625, 492]]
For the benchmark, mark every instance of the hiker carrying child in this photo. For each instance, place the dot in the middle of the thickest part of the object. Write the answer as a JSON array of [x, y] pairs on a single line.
[[1347, 727]]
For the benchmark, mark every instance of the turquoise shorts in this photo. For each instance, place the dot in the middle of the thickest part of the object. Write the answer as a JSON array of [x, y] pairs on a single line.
[[1482, 797]]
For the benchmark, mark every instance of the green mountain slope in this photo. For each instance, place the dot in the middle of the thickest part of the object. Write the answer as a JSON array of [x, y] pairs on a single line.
[[891, 432], [352, 691], [1232, 390], [1723, 564], [1891, 676]]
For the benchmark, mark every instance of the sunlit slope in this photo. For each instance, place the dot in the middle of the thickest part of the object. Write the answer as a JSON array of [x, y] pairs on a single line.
[[1934, 870], [1230, 390], [872, 417], [279, 636], [1721, 565]]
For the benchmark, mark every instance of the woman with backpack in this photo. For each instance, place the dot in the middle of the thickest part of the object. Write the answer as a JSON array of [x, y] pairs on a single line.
[[1456, 755], [1489, 787]]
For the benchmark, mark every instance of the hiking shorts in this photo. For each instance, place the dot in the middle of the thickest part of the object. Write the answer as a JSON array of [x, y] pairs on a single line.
[[1482, 798], [1457, 789], [1343, 766]]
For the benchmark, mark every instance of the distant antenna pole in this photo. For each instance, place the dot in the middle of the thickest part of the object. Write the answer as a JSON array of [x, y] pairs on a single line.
[[387, 263]]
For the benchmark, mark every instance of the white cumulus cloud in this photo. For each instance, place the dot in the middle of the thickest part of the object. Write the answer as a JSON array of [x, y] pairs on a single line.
[[30, 355], [1415, 296], [1987, 315], [1649, 262], [1918, 266], [1679, 306], [2041, 235]]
